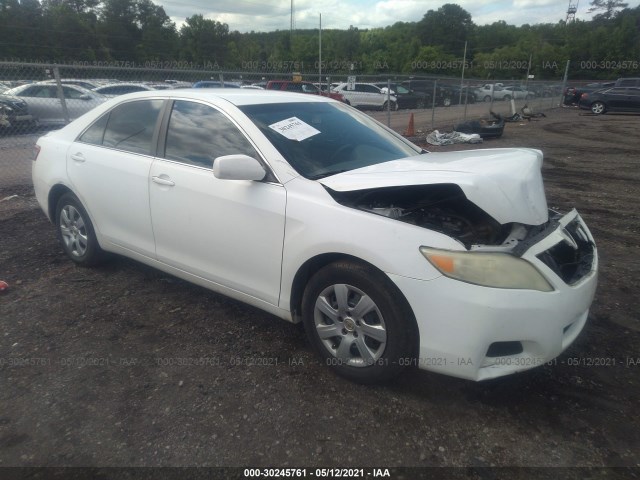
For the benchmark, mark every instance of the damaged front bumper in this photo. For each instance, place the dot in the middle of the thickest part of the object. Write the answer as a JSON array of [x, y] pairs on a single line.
[[477, 333]]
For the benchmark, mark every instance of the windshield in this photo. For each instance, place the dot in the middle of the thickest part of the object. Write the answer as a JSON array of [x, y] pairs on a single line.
[[319, 139]]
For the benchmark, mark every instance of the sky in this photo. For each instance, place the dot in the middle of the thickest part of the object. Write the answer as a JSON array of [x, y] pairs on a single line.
[[270, 15]]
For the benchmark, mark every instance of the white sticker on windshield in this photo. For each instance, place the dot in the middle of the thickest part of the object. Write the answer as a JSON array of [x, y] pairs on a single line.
[[294, 129]]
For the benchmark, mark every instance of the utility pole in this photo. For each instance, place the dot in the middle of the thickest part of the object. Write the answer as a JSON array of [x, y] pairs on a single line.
[[292, 21]]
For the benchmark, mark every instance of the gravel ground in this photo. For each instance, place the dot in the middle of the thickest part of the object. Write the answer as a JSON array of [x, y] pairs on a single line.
[[122, 365]]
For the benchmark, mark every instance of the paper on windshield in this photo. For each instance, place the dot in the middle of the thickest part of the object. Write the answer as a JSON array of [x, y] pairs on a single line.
[[294, 129]]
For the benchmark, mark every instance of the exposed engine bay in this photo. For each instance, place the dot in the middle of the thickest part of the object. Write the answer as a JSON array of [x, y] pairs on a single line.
[[443, 208]]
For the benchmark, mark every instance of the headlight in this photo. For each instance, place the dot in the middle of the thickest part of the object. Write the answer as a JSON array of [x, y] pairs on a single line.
[[498, 270]]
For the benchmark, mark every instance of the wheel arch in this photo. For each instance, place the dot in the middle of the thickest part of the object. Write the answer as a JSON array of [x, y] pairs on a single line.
[[52, 201], [314, 264], [56, 192]]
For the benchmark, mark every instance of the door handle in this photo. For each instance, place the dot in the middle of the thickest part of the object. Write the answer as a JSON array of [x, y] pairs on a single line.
[[78, 157], [163, 181]]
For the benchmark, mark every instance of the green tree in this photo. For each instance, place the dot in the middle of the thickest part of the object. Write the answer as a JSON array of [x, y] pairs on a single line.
[[448, 27], [608, 8], [159, 37], [118, 29], [204, 41]]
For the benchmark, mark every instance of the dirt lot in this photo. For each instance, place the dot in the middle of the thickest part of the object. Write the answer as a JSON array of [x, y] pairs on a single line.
[[123, 365]]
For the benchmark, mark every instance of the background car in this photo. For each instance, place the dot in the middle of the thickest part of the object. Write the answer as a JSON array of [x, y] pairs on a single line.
[[572, 95], [214, 84], [492, 92], [446, 94], [45, 105], [16, 115], [406, 98], [616, 99], [80, 82], [366, 96], [302, 87], [519, 93], [114, 89], [453, 93]]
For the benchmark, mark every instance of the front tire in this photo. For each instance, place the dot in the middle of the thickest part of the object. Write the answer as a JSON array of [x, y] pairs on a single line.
[[446, 102], [359, 322], [76, 233], [598, 108]]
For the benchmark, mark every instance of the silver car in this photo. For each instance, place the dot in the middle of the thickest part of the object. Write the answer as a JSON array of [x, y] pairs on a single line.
[[366, 95], [115, 89], [44, 103]]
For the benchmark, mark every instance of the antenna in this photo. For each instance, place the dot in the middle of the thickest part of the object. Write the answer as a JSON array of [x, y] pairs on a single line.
[[571, 11]]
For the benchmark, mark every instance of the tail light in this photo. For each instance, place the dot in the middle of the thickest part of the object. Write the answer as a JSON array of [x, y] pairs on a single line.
[[36, 152]]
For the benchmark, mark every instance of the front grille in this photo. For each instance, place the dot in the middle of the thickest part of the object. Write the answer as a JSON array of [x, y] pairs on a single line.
[[571, 260]]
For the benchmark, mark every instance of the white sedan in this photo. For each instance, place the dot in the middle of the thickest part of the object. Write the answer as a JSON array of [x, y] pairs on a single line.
[[308, 209]]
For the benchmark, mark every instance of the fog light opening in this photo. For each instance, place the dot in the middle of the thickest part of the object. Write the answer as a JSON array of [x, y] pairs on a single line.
[[504, 349]]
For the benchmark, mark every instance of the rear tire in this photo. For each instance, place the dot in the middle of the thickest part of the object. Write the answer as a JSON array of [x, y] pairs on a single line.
[[359, 322], [76, 233]]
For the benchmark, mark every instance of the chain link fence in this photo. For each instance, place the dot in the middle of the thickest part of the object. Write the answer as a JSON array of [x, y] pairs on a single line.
[[38, 97]]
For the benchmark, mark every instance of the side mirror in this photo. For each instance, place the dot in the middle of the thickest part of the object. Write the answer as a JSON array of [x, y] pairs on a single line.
[[238, 167], [85, 96]]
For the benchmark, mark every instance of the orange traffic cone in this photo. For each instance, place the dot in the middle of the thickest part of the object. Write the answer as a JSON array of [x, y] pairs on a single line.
[[410, 132]]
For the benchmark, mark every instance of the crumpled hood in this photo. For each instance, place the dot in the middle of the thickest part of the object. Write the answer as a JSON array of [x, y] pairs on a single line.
[[504, 182]]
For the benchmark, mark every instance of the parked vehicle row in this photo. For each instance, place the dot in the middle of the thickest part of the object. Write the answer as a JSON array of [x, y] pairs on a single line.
[[39, 103]]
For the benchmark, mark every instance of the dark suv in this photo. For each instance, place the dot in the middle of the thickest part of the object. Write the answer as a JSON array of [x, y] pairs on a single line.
[[407, 98], [445, 94]]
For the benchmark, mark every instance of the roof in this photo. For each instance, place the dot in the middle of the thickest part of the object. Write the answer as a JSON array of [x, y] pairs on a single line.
[[236, 96]]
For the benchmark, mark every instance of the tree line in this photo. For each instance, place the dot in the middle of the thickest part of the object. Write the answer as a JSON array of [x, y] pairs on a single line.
[[140, 32]]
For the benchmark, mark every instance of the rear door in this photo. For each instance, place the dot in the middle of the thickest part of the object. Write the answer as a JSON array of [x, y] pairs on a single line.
[[633, 98], [109, 168], [618, 99], [43, 102]]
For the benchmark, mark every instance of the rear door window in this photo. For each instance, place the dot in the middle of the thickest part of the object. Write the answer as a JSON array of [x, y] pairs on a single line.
[[129, 127]]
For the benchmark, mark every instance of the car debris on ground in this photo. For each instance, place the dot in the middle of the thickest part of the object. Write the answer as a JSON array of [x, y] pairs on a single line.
[[437, 138]]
